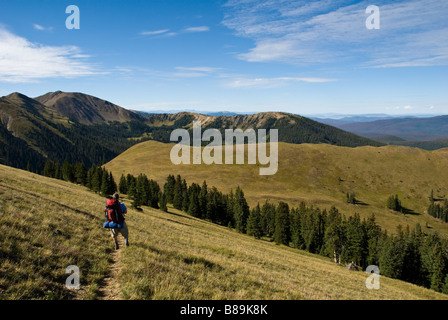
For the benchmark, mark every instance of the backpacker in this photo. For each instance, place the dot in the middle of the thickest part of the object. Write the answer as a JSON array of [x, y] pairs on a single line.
[[113, 211]]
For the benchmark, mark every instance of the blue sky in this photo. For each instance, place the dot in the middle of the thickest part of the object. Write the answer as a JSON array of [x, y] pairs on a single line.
[[304, 57]]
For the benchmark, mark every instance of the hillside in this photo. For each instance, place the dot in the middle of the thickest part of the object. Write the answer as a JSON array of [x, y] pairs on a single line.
[[320, 175], [44, 227]]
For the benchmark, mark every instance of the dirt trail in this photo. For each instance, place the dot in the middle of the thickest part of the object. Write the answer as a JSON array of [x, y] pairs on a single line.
[[110, 289]]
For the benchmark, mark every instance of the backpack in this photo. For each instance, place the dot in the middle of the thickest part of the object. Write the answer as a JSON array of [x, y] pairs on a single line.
[[113, 211]]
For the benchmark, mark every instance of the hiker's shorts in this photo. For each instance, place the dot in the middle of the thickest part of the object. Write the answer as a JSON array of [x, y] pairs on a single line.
[[124, 231]]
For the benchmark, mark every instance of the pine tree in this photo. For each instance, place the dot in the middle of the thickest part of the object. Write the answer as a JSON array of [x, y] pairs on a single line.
[[355, 249], [268, 218], [168, 188], [281, 233], [105, 186], [80, 173], [193, 208], [97, 179], [57, 171], [163, 202], [202, 197], [112, 186], [241, 210], [122, 185], [177, 196], [67, 171], [49, 169], [254, 223], [438, 277], [334, 236]]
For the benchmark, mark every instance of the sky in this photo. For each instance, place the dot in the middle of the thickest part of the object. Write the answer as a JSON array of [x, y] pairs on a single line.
[[303, 57]]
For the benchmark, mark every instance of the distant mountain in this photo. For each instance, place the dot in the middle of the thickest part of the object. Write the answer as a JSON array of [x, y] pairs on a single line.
[[86, 109], [82, 128], [415, 129]]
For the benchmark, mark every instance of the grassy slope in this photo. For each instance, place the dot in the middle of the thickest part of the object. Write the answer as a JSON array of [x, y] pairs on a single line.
[[172, 255], [47, 225], [319, 175]]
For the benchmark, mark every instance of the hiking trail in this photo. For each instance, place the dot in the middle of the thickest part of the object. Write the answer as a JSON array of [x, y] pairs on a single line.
[[110, 289]]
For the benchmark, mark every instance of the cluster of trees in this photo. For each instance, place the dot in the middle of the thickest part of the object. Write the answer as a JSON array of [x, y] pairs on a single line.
[[75, 173], [142, 191], [394, 203], [438, 210], [207, 203]]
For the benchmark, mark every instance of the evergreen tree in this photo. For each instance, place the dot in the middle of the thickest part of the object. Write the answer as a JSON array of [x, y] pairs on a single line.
[[185, 196], [80, 173], [194, 208], [268, 218], [112, 186], [334, 237], [438, 277], [163, 202], [97, 179], [394, 203], [49, 170], [105, 186], [355, 249], [168, 188], [57, 171], [202, 197], [67, 171], [240, 211], [254, 223], [177, 197], [122, 185], [281, 233]]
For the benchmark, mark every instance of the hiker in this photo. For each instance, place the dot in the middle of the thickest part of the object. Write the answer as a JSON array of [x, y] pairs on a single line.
[[118, 209]]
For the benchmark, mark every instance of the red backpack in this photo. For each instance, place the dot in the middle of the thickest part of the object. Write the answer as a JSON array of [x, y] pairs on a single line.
[[113, 211]]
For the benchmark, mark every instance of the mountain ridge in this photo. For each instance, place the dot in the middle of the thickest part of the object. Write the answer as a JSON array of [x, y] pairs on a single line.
[[79, 127]]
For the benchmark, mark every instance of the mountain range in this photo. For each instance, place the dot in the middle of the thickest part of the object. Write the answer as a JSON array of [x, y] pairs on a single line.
[[81, 128]]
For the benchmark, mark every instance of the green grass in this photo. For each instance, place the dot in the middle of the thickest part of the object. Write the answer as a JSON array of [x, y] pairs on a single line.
[[320, 175]]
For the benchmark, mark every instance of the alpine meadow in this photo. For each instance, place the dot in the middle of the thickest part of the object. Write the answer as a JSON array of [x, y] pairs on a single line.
[[224, 158]]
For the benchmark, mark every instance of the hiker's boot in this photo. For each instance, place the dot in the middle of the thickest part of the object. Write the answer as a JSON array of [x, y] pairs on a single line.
[[116, 245]]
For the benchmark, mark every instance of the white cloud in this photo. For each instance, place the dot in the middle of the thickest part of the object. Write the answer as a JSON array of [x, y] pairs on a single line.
[[155, 32], [194, 72], [408, 107], [41, 28], [197, 29], [24, 61], [413, 33], [272, 82]]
